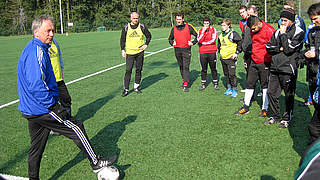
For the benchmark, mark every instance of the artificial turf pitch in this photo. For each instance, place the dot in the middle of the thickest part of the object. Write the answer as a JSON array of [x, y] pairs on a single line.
[[163, 133]]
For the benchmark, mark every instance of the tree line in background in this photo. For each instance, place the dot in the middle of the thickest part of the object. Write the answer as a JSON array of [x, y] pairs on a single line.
[[86, 15]]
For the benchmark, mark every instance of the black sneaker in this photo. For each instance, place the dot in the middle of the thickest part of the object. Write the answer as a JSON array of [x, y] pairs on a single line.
[[185, 89], [203, 86], [125, 93], [103, 162], [137, 90], [243, 110], [271, 121], [283, 125], [181, 87]]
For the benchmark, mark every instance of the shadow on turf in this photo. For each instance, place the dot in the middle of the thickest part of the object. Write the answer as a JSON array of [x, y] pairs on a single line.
[[105, 143], [152, 79], [267, 177]]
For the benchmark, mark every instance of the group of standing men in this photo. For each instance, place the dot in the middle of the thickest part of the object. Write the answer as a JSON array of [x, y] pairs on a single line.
[[271, 56]]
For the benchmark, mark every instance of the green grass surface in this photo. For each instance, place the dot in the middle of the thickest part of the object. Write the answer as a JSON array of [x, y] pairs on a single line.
[[163, 133]]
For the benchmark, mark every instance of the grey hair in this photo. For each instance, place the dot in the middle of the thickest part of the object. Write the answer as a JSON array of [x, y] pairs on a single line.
[[134, 12], [36, 24]]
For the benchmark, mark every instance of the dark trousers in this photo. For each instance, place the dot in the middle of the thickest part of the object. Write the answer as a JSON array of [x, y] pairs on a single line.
[[229, 70], [277, 83], [258, 71], [129, 65], [64, 96], [210, 59], [314, 125], [183, 56], [39, 129], [247, 62]]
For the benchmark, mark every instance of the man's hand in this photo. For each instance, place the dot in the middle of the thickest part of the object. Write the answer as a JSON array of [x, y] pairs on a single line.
[[283, 28], [235, 56], [143, 47], [281, 48], [190, 43], [310, 54], [123, 53]]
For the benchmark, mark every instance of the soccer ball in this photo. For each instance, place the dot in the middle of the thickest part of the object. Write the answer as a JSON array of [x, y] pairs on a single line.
[[108, 173]]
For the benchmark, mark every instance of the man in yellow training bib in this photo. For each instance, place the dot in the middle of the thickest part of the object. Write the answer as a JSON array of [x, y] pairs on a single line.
[[132, 48]]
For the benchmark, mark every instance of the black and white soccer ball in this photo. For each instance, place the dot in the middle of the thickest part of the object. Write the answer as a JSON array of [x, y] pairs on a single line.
[[108, 173]]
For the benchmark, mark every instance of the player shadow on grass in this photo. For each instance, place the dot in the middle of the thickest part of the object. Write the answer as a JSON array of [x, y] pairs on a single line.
[[152, 79], [267, 177], [242, 79], [104, 143], [194, 74]]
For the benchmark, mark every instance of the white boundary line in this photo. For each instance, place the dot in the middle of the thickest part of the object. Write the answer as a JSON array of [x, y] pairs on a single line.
[[9, 177], [93, 74]]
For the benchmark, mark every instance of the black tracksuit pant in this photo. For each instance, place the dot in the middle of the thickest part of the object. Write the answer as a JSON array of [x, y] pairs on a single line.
[[314, 125], [57, 120], [277, 83], [129, 65], [210, 59], [64, 96], [183, 56], [229, 70]]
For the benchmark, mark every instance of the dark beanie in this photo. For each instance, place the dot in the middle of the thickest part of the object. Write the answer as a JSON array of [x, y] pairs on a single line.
[[289, 14]]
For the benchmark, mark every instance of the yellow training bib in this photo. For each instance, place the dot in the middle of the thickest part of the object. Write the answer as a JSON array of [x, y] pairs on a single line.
[[55, 62], [227, 48], [134, 40]]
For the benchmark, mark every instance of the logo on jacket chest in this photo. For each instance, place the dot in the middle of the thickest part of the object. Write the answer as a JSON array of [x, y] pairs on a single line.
[[134, 34]]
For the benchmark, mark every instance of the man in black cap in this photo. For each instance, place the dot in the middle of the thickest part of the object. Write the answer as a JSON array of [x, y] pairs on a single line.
[[284, 46]]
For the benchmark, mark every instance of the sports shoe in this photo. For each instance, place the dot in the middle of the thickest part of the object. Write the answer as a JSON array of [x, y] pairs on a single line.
[[185, 89], [234, 93], [259, 94], [216, 87], [283, 125], [203, 86], [137, 90], [228, 91], [263, 113], [103, 162], [271, 121], [181, 86], [125, 93], [243, 110]]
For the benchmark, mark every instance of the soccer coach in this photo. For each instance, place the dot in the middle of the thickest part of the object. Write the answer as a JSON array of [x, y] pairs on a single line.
[[38, 95], [179, 38], [132, 48]]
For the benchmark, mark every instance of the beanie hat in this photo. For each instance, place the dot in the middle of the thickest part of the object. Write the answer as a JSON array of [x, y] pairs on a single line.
[[289, 14]]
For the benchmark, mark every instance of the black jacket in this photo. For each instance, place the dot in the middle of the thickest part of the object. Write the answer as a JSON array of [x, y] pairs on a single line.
[[313, 42], [286, 60]]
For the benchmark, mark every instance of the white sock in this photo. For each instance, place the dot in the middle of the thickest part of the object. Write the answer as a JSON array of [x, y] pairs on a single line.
[[247, 96], [135, 86], [229, 86], [265, 101]]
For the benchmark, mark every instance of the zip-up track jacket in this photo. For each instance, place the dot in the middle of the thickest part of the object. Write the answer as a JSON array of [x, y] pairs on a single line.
[[37, 87], [285, 61]]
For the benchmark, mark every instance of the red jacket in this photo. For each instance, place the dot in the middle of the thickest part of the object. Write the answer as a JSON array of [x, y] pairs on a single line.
[[207, 39], [259, 41]]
